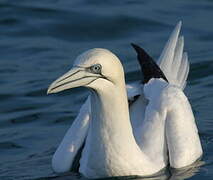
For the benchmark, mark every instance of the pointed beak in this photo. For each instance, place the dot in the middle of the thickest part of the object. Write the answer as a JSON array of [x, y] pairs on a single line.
[[76, 77]]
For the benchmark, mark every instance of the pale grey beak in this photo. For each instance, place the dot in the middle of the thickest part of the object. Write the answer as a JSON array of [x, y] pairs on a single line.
[[76, 77]]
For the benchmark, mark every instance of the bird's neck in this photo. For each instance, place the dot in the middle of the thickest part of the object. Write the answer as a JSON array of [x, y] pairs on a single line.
[[110, 113]]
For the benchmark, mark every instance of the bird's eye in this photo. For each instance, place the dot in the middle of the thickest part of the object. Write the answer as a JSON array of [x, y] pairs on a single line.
[[96, 69]]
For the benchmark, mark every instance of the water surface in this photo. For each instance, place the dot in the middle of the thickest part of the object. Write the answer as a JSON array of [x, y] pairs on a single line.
[[39, 41]]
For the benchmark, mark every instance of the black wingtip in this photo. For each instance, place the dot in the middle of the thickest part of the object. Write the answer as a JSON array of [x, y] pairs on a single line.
[[148, 66], [143, 56], [136, 47]]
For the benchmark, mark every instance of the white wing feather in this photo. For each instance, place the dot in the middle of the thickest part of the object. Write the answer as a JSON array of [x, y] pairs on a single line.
[[173, 61], [73, 140]]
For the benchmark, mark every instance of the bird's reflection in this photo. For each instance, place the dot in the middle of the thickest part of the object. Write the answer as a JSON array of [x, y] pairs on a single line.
[[187, 172], [166, 174], [176, 174]]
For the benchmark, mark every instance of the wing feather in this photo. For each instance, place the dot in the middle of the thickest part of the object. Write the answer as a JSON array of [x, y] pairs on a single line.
[[166, 58], [183, 70], [73, 140], [173, 61], [178, 55]]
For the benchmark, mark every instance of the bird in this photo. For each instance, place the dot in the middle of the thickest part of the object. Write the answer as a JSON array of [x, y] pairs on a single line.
[[117, 138]]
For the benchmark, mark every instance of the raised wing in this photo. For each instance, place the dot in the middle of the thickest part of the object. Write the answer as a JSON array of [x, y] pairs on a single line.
[[173, 61], [162, 112], [73, 140]]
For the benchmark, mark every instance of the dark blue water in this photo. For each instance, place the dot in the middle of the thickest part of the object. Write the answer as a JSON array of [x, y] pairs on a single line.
[[39, 41]]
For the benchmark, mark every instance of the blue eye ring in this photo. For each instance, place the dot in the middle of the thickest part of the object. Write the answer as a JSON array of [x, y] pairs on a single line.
[[96, 69]]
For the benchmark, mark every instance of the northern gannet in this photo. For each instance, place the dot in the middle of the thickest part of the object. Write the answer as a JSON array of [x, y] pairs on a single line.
[[158, 128]]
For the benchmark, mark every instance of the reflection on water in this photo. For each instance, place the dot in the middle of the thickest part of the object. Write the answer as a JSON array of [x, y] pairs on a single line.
[[166, 174], [187, 172]]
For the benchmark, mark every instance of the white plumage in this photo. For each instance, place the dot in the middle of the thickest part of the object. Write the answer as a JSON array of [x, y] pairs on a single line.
[[173, 61], [158, 128]]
